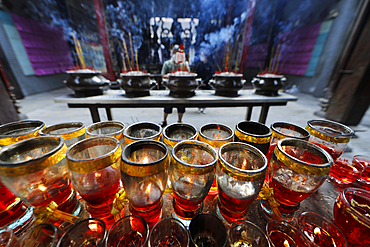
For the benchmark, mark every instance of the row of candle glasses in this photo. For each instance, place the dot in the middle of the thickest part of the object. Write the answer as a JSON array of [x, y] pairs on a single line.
[[234, 155]]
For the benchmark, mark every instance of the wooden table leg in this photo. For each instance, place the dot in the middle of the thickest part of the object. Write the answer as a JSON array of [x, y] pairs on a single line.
[[94, 114], [109, 113], [249, 113], [263, 114]]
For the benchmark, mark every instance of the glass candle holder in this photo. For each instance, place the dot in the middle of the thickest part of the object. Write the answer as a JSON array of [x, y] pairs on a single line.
[[17, 131], [192, 171], [94, 168], [88, 232], [331, 136], [320, 231], [142, 131], [35, 170], [253, 133], [240, 175], [7, 237], [281, 233], [245, 233], [144, 172], [177, 132], [364, 179], [297, 169], [107, 128], [72, 132], [282, 130], [129, 231], [351, 215], [215, 135], [207, 230], [42, 235], [169, 232], [344, 172]]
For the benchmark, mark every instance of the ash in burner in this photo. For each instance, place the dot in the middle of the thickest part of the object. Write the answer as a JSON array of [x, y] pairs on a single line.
[[181, 135]]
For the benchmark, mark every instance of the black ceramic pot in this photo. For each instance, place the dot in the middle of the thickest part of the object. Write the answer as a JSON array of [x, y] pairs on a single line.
[[136, 84], [227, 84], [86, 82], [182, 84], [268, 84]]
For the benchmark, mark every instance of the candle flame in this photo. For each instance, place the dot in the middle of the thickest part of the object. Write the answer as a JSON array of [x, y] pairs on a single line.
[[317, 231], [147, 191], [28, 158], [145, 160], [286, 243], [93, 227], [97, 175], [244, 166], [42, 187]]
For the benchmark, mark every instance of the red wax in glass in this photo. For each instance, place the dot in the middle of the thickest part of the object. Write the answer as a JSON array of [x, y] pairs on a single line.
[[364, 179], [130, 239], [304, 156], [103, 196], [168, 241], [270, 151], [334, 154], [279, 238], [319, 236], [9, 213], [185, 208], [343, 172], [355, 231]]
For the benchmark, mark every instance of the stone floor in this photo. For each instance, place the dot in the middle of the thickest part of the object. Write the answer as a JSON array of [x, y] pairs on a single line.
[[41, 106]]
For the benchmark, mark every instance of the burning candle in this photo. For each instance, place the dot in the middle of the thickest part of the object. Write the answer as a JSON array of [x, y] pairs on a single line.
[[282, 233], [245, 233]]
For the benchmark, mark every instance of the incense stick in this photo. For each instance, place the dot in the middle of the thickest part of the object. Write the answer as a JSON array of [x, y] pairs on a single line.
[[137, 61], [272, 54], [79, 51], [132, 50], [128, 57], [277, 62]]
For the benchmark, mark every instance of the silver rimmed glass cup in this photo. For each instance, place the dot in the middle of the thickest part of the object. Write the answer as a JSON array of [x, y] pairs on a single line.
[[169, 232], [282, 233], [142, 131], [246, 233], [72, 132], [45, 234], [333, 137], [129, 231], [240, 175], [106, 128], [192, 171], [17, 131], [7, 237]]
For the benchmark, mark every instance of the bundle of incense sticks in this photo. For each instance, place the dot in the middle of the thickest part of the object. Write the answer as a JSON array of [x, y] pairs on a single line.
[[79, 51]]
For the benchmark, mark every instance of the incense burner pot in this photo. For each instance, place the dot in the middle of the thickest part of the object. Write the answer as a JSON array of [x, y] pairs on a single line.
[[268, 84], [182, 84], [86, 82], [136, 83], [227, 83]]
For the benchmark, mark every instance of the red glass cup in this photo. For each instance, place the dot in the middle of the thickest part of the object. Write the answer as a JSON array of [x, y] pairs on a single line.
[[45, 234], [351, 215], [17, 131], [7, 237], [297, 169], [88, 232], [192, 172], [246, 233], [364, 179], [319, 231], [344, 171], [94, 168], [144, 173], [240, 175], [333, 137], [35, 170], [169, 232], [281, 233], [215, 135]]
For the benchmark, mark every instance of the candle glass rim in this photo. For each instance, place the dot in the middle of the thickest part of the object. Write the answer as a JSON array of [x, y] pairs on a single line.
[[349, 132], [128, 148], [42, 225], [27, 143], [269, 132], [247, 147], [126, 135], [349, 206], [299, 129], [225, 127], [75, 125], [319, 217], [364, 157], [304, 144], [145, 224], [247, 222], [165, 129], [286, 224], [171, 219], [12, 235], [103, 124], [360, 168], [198, 143], [38, 126], [72, 228], [83, 144]]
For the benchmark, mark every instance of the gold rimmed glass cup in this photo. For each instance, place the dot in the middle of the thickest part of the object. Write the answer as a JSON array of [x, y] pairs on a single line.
[[240, 175], [333, 137], [106, 128], [192, 172], [94, 168], [72, 132], [142, 131], [177, 132], [144, 172], [17, 131]]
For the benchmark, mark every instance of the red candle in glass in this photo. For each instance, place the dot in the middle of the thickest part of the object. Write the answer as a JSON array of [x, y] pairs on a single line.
[[364, 179], [344, 171], [281, 233]]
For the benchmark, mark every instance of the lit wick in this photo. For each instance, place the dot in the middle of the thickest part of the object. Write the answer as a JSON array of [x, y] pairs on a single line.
[[317, 231], [93, 227], [42, 187], [145, 160], [148, 189], [286, 243]]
